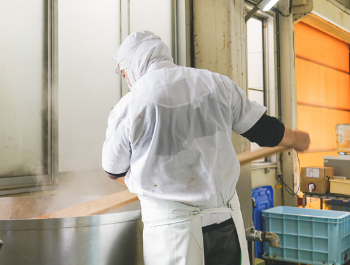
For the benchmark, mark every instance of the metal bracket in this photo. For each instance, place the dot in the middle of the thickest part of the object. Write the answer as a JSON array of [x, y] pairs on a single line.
[[252, 12], [301, 8]]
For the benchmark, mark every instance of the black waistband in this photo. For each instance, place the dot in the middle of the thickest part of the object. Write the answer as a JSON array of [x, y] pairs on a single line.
[[213, 227]]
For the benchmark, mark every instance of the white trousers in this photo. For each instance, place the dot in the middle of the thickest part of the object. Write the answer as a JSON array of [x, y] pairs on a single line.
[[172, 232]]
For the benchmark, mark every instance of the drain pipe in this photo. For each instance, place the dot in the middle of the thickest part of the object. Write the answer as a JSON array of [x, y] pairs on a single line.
[[254, 235]]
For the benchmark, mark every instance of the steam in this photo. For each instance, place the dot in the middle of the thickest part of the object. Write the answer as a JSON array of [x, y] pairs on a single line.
[[73, 188]]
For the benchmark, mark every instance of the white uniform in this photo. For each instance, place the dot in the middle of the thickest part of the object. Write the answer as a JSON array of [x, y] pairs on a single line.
[[172, 134]]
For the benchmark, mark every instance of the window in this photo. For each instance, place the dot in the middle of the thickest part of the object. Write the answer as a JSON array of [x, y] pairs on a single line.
[[261, 67]]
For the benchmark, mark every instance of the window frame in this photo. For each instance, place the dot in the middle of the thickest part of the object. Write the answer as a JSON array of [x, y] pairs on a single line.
[[270, 73]]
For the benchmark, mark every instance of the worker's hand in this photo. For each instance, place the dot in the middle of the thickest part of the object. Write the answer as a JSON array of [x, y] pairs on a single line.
[[301, 140], [298, 140]]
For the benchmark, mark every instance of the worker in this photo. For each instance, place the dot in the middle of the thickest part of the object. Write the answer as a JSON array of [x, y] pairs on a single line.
[[169, 140]]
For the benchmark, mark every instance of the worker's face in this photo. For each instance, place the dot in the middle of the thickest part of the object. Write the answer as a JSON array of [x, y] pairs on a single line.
[[126, 77]]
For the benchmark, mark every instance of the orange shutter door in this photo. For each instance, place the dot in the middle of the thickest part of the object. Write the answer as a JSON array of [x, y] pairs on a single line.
[[323, 90]]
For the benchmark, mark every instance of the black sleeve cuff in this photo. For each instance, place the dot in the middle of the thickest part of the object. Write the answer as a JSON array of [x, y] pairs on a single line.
[[115, 176], [268, 131]]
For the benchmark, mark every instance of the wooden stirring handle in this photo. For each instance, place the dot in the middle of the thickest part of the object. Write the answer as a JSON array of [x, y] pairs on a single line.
[[111, 202], [101, 205], [247, 157]]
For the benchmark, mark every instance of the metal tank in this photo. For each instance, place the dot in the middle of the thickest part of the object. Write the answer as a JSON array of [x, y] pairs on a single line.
[[114, 238]]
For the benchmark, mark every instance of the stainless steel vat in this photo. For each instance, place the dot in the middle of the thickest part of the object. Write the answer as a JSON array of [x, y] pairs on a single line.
[[107, 239]]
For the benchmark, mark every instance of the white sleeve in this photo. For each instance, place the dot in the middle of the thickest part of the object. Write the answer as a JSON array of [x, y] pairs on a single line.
[[116, 151], [244, 112]]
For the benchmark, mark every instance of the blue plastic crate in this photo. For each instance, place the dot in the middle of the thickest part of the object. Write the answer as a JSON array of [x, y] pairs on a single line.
[[308, 236]]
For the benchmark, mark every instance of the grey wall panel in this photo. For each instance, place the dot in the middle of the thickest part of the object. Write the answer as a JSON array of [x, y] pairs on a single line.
[[153, 15], [23, 88], [88, 87]]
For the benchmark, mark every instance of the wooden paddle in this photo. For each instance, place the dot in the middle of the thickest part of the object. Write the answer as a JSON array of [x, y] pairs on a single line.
[[247, 157], [101, 205], [111, 202]]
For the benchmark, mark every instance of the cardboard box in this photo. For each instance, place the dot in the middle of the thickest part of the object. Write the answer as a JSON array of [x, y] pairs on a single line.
[[340, 186], [316, 179]]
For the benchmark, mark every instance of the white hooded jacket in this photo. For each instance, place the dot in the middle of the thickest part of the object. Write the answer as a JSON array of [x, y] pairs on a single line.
[[139, 52], [172, 132]]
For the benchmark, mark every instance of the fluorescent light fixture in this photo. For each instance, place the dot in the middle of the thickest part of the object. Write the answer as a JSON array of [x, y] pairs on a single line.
[[266, 5]]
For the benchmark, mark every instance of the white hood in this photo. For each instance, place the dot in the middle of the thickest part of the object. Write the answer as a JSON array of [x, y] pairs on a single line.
[[138, 52]]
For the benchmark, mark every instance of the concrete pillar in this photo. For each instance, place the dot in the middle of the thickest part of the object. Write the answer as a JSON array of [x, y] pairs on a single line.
[[220, 46], [288, 97]]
